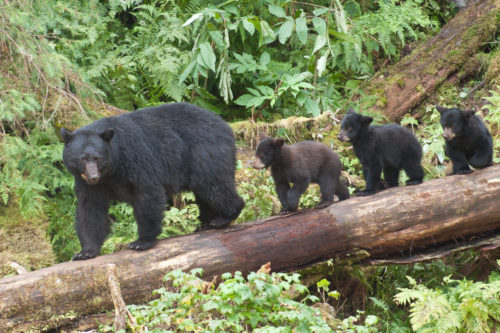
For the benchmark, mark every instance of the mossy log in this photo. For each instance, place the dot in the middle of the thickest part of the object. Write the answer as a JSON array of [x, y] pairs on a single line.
[[395, 223], [403, 86]]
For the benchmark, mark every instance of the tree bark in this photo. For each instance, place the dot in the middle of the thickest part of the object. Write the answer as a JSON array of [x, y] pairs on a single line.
[[398, 222], [406, 84]]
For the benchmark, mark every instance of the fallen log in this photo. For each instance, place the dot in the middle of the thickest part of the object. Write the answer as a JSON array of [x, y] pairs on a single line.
[[397, 222], [403, 86]]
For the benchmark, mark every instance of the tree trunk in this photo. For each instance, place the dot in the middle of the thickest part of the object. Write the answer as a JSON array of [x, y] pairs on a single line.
[[397, 222], [416, 76]]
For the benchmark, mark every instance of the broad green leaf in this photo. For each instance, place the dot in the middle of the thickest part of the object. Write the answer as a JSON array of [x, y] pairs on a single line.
[[301, 29], [319, 25], [321, 65], [324, 283], [267, 34], [319, 43], [193, 18], [265, 58], [244, 99], [187, 71], [249, 26], [312, 108], [277, 11], [208, 55], [320, 11], [342, 36], [285, 31]]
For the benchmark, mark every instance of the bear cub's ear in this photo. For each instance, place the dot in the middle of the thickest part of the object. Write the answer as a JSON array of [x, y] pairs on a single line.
[[441, 109], [278, 143], [107, 135], [468, 113], [366, 120], [66, 135]]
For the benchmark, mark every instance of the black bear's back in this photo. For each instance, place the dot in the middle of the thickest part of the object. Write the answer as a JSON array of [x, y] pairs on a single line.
[[315, 158], [179, 143], [397, 143]]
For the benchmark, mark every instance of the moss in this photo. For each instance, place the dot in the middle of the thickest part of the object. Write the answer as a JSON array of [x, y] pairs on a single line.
[[22, 241]]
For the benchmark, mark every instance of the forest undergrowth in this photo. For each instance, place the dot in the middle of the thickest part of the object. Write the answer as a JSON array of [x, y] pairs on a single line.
[[67, 62]]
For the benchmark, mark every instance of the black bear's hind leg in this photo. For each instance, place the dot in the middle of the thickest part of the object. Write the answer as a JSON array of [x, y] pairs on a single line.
[[148, 210], [481, 158], [327, 186], [414, 172], [341, 190], [223, 202], [206, 215], [391, 176]]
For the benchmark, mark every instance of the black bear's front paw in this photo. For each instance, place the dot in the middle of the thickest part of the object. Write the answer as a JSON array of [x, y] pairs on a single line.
[[219, 222], [413, 182], [284, 211], [464, 172], [141, 245], [85, 254], [364, 193], [202, 228], [323, 204]]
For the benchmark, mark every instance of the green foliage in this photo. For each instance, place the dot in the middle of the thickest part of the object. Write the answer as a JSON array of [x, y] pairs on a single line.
[[458, 306], [259, 303], [493, 118]]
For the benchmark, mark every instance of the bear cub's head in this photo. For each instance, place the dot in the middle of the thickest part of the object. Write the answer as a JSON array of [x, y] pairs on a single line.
[[268, 152], [87, 154], [353, 125], [454, 121]]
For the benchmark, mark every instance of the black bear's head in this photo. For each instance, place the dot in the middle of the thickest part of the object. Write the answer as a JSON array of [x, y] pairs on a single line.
[[353, 125], [87, 154], [268, 152], [454, 121]]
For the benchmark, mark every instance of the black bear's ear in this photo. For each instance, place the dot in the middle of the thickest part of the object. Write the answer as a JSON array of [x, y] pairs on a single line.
[[441, 109], [107, 134], [278, 143], [366, 120], [350, 110], [468, 113], [66, 135]]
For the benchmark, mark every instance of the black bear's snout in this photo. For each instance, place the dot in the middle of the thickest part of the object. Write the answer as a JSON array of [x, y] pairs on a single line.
[[91, 174]]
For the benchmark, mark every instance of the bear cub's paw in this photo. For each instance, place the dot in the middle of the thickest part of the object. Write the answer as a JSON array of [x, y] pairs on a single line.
[[413, 182], [141, 245], [85, 254], [464, 172], [323, 204], [287, 211], [364, 193]]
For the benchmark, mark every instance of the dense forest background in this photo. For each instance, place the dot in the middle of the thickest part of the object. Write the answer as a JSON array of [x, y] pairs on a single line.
[[261, 64]]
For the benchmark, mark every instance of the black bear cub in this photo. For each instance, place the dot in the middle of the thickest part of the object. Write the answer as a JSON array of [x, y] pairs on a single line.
[[144, 158], [387, 147], [468, 141], [301, 164]]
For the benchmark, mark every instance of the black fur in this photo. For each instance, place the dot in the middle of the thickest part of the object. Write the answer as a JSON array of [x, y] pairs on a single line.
[[468, 141], [388, 147], [144, 158], [301, 164]]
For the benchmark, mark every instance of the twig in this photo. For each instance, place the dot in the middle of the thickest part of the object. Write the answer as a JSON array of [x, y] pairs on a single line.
[[19, 269], [120, 307]]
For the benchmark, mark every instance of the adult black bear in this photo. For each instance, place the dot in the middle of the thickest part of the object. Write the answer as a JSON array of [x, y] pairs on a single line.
[[301, 164], [468, 141], [144, 158], [387, 147]]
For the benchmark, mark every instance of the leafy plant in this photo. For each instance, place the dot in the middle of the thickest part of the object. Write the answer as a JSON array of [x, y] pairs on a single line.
[[459, 306], [259, 303]]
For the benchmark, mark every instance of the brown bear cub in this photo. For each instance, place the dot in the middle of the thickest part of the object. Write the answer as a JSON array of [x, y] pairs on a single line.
[[301, 164]]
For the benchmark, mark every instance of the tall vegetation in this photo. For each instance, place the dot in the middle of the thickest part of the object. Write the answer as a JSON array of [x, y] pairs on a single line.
[[260, 59]]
